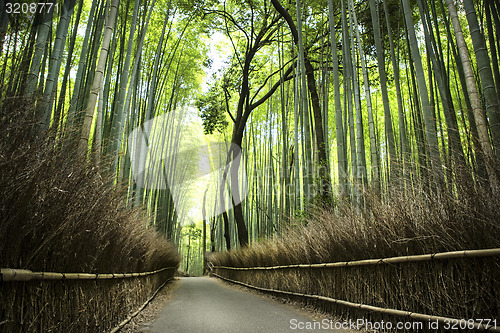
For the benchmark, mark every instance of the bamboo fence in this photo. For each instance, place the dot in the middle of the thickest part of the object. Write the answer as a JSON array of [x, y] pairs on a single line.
[[443, 256], [11, 274], [90, 303], [131, 316], [391, 260]]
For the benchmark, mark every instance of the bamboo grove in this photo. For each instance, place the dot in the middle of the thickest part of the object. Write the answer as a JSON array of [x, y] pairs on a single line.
[[329, 100]]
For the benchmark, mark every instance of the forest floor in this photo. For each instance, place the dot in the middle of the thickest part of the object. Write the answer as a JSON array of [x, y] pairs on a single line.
[[209, 305]]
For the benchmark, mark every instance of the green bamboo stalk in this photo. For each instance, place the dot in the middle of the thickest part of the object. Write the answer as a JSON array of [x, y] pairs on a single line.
[[389, 131], [375, 174], [485, 73], [429, 120], [339, 129], [98, 76]]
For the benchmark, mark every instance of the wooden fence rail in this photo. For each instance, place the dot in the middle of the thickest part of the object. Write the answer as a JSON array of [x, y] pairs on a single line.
[[11, 274], [391, 260], [392, 312], [490, 326]]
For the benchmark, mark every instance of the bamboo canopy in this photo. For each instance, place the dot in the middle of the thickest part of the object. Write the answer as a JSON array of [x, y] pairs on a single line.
[[392, 260], [11, 274]]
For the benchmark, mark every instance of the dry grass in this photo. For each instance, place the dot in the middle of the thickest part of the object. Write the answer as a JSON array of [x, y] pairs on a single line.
[[406, 224], [60, 214]]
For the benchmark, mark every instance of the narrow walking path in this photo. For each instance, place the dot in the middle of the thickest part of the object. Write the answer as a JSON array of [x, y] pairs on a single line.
[[202, 304]]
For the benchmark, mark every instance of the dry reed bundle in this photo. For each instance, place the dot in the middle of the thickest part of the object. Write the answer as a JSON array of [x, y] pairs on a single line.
[[59, 213], [406, 224]]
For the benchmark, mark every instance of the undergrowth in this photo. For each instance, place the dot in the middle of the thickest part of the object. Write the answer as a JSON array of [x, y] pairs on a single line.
[[60, 213], [408, 222]]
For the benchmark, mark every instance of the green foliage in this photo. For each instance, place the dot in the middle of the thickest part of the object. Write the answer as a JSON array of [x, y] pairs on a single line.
[[300, 217], [192, 232], [213, 109], [191, 249]]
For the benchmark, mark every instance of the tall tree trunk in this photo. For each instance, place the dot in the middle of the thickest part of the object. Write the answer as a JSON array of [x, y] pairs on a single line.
[[371, 126], [361, 175], [45, 109], [213, 225], [62, 96], [234, 158], [346, 42], [429, 119], [295, 149], [389, 132], [321, 144], [286, 172], [41, 44], [474, 97], [479, 164], [307, 72], [443, 85], [422, 152], [189, 252], [119, 112], [490, 96], [76, 96], [98, 76], [204, 231], [304, 100], [339, 127], [490, 7], [245, 106], [403, 138]]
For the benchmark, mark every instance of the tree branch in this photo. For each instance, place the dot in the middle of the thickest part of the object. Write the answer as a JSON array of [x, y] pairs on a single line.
[[227, 96], [288, 19], [267, 79], [271, 91]]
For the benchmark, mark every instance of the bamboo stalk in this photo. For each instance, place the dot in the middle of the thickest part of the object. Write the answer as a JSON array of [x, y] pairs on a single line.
[[392, 312], [11, 274], [392, 260]]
